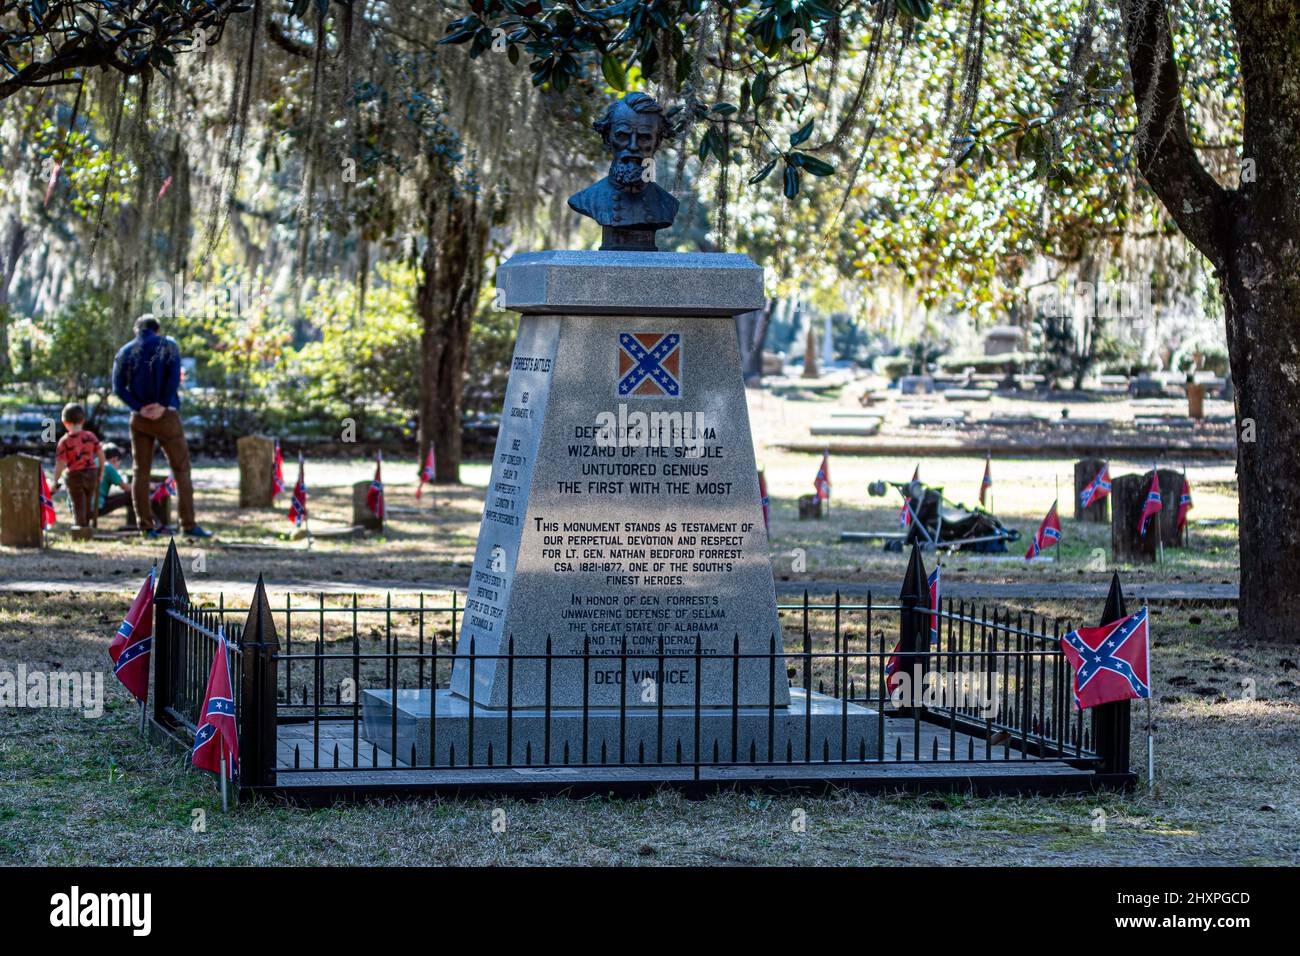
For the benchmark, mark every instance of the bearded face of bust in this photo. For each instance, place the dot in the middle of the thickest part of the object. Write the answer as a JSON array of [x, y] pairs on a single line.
[[633, 138]]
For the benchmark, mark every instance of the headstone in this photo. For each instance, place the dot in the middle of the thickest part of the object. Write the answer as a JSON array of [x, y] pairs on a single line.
[[256, 466], [1085, 470], [362, 516], [1003, 340], [915, 385], [1128, 495], [623, 511], [1195, 400], [20, 502]]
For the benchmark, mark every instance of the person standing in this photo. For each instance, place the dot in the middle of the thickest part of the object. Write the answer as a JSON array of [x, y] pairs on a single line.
[[78, 454], [147, 378]]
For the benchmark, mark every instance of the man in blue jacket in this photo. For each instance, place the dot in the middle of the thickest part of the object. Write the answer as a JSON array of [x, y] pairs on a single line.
[[147, 377]]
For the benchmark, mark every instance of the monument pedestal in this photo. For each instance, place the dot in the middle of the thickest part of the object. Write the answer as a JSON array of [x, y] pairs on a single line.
[[623, 525], [836, 726]]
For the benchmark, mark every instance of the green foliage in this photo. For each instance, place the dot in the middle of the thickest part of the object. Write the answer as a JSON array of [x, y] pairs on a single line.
[[74, 348], [363, 366]]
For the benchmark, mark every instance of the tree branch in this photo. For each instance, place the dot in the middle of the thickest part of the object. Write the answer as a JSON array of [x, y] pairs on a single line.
[[1166, 157]]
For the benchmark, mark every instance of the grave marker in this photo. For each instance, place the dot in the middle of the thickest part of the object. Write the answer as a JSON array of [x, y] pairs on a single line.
[[20, 503]]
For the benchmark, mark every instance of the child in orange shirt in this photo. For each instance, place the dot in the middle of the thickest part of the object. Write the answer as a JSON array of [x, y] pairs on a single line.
[[78, 453]]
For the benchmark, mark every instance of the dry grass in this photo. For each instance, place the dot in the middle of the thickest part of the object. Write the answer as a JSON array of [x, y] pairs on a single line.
[[79, 791]]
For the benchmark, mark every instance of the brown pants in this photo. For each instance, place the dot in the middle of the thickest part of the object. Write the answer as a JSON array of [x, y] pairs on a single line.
[[83, 489], [168, 432]]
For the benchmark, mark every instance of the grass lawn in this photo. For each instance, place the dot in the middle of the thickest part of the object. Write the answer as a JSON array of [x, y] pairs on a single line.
[[75, 790]]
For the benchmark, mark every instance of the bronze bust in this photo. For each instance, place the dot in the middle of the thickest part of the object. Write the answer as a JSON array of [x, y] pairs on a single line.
[[628, 203]]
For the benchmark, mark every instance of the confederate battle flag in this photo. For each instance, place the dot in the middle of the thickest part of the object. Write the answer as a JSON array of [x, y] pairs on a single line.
[[1096, 489], [905, 513], [375, 493], [48, 515], [1184, 505], [164, 490], [427, 472], [767, 502], [1049, 532], [1153, 504], [987, 481], [1110, 662], [298, 506], [823, 480], [133, 643], [277, 476], [217, 735]]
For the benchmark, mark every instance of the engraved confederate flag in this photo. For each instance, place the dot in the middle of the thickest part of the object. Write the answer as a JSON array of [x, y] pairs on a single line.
[[1110, 662], [217, 734], [650, 364], [133, 643]]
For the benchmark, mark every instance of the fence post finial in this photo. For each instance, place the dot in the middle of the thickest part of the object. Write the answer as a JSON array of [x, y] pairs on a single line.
[[1111, 722], [257, 727]]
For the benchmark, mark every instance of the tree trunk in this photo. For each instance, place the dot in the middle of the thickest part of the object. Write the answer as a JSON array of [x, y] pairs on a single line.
[[1252, 237], [11, 247], [446, 299]]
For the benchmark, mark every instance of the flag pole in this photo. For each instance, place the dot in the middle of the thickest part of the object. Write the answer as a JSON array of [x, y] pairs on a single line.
[[1160, 537], [1151, 750], [225, 804], [1187, 526], [1056, 504]]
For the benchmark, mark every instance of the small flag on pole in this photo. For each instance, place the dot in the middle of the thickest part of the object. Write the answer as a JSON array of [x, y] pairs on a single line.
[[1110, 662], [48, 515], [767, 502], [428, 471], [375, 493], [1049, 532], [1153, 504], [164, 490], [277, 475], [986, 483], [298, 506], [1184, 505], [823, 480], [905, 512], [217, 736], [1096, 489], [133, 643]]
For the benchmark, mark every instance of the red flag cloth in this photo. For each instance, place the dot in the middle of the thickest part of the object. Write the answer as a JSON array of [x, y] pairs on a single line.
[[1184, 505], [1153, 504], [427, 472], [375, 493], [277, 476], [298, 506], [48, 515], [823, 480], [1096, 489], [1110, 662], [217, 733], [767, 502], [905, 513], [164, 490], [133, 643], [1049, 532], [987, 481]]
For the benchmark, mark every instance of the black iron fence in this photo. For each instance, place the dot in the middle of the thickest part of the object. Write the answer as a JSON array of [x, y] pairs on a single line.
[[337, 686]]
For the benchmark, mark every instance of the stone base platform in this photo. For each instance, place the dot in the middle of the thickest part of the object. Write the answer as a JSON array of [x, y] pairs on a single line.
[[831, 722]]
